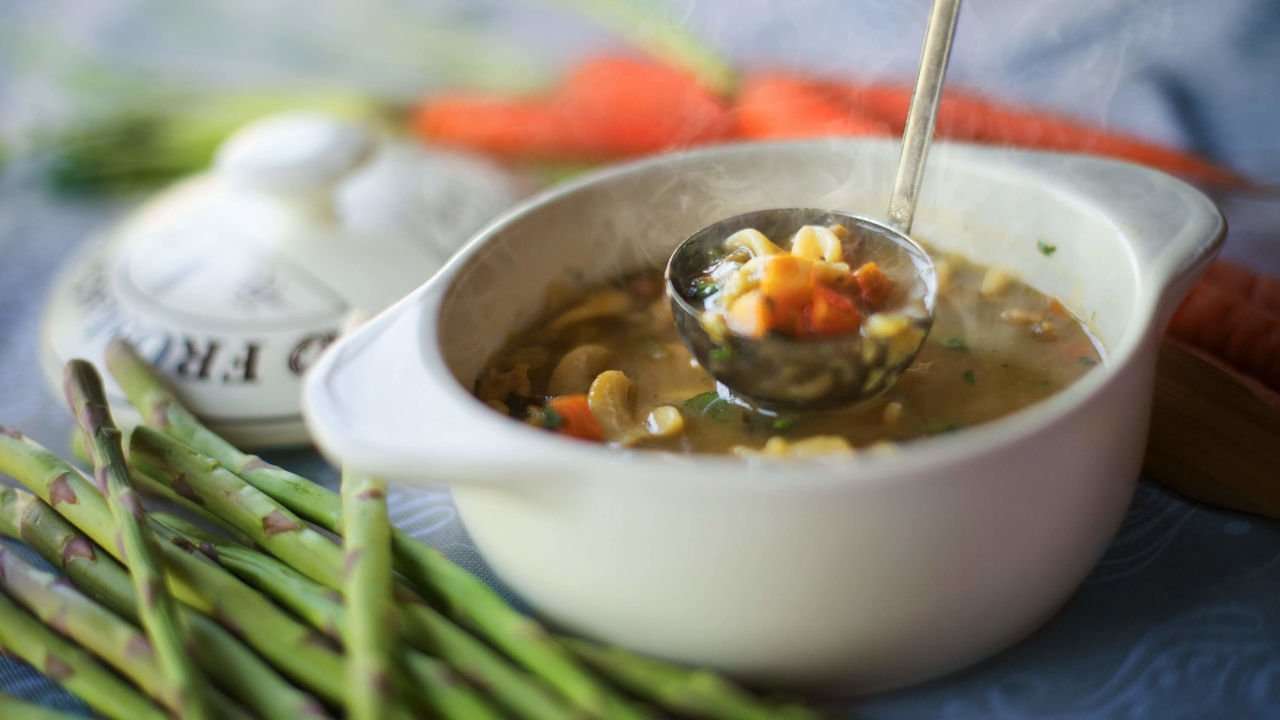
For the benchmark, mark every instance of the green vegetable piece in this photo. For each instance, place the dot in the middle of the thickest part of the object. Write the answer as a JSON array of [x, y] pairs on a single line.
[[784, 424], [711, 405], [551, 419], [955, 343], [704, 287], [1045, 248], [970, 378], [185, 689], [721, 353]]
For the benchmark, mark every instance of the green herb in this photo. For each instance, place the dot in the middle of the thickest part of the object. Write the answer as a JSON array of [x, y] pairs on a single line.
[[721, 353], [947, 428], [955, 343], [1045, 248], [1086, 361], [551, 419], [783, 424], [711, 405], [704, 287], [970, 377]]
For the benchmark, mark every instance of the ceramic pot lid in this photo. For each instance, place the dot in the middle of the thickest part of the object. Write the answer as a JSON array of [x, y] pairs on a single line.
[[233, 281]]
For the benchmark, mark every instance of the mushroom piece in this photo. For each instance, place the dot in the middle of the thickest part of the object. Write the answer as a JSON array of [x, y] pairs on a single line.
[[612, 399], [578, 368]]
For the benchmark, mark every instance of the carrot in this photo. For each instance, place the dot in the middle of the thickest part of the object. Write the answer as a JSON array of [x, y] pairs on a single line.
[[787, 280], [575, 416], [873, 285], [778, 105], [750, 315], [507, 128], [608, 107], [830, 313], [965, 116], [1261, 290], [620, 106], [1225, 323]]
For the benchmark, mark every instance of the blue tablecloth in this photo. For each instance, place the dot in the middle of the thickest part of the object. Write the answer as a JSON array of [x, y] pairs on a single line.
[[1181, 619]]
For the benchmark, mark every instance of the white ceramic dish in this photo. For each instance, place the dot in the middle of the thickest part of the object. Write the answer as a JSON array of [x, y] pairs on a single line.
[[876, 572]]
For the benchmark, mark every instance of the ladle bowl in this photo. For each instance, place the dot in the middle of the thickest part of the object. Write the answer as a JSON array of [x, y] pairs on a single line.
[[777, 372]]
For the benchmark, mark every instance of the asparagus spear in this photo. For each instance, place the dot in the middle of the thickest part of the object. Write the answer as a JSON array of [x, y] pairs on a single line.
[[186, 693], [695, 693], [94, 628], [80, 451], [465, 597], [284, 535], [71, 667], [432, 679], [234, 667], [12, 708], [195, 579], [366, 586]]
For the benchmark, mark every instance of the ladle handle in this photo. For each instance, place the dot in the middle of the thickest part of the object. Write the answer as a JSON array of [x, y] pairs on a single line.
[[923, 113]]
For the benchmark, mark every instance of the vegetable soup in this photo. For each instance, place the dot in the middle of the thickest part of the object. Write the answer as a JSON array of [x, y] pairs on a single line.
[[608, 366]]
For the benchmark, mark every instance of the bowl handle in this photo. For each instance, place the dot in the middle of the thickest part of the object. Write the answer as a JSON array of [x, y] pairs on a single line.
[[377, 403], [1176, 230]]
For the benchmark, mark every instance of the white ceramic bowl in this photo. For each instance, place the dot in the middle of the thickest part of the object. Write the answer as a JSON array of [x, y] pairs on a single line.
[[874, 573]]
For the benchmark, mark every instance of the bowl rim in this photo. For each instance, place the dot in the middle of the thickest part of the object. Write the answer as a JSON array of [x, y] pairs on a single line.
[[925, 456]]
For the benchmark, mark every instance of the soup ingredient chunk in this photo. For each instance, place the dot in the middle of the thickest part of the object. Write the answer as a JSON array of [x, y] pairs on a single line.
[[808, 291]]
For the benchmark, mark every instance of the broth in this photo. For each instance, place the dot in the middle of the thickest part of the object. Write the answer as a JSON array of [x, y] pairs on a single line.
[[997, 345]]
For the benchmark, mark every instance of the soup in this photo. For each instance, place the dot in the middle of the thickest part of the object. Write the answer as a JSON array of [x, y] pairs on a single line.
[[608, 366]]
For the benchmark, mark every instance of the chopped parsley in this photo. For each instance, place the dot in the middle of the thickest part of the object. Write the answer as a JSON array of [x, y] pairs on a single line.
[[955, 343], [703, 287], [970, 377], [783, 424], [720, 353], [551, 419], [942, 428], [709, 404], [1045, 248]]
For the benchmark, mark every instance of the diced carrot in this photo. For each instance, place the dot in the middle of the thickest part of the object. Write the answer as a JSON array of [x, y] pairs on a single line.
[[873, 285], [1239, 332], [750, 315], [777, 105], [576, 419], [620, 106], [788, 280], [830, 313]]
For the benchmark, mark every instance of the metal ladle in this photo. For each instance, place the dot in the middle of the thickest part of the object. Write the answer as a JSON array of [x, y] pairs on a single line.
[[777, 372]]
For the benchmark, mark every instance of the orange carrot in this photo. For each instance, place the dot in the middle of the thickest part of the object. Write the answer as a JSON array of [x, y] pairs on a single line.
[[576, 419], [830, 313], [619, 106], [750, 315], [778, 105], [1227, 324], [964, 116], [512, 129], [873, 285], [1261, 290], [787, 280]]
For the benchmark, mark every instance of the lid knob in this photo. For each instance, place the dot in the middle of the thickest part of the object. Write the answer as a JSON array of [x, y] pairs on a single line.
[[297, 153]]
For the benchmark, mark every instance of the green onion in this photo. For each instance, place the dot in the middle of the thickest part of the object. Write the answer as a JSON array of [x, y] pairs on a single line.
[[1045, 248], [970, 377]]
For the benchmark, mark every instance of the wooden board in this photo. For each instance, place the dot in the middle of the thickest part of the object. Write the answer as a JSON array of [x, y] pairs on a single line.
[[1215, 434]]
